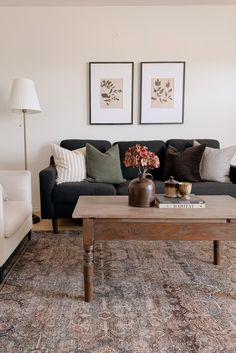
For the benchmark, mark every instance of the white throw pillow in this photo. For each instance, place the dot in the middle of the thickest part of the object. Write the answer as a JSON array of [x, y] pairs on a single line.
[[215, 163], [70, 165]]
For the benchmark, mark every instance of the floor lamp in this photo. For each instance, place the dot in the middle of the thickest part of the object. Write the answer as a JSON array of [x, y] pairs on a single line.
[[24, 99]]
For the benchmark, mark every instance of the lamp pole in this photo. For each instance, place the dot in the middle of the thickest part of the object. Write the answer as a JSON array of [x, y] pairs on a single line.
[[25, 141], [24, 99]]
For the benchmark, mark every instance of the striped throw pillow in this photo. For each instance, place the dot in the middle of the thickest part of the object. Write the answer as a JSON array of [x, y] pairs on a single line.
[[70, 165]]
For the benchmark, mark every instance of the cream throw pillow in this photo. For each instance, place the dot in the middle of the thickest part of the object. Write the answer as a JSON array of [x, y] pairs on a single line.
[[215, 163], [70, 165]]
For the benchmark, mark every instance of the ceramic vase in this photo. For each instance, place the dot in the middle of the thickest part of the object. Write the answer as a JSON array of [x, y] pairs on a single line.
[[141, 191]]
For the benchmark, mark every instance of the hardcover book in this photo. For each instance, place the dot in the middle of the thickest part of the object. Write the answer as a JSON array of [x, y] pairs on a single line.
[[176, 202]]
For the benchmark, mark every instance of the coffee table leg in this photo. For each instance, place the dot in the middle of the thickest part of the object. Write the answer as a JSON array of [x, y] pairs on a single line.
[[88, 240], [216, 244], [88, 273]]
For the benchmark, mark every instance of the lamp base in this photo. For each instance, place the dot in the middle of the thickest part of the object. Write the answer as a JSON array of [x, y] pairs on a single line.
[[35, 218]]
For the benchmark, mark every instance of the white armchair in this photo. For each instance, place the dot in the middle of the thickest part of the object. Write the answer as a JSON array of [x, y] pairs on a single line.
[[15, 212]]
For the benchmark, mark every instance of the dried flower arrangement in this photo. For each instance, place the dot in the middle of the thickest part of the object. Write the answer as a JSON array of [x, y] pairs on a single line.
[[140, 157]]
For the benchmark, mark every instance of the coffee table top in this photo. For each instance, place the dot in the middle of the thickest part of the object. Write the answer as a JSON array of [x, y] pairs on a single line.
[[219, 208]]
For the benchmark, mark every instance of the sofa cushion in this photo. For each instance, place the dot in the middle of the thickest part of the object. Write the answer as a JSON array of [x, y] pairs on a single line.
[[103, 167], [182, 144], [73, 144], [15, 213], [215, 163], [70, 165], [156, 146], [198, 188], [184, 165], [214, 188], [70, 192]]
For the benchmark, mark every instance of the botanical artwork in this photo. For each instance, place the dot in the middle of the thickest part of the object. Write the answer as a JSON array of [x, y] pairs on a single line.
[[111, 93], [162, 92]]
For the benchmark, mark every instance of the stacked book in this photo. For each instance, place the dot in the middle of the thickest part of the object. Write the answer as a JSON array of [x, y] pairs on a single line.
[[176, 202]]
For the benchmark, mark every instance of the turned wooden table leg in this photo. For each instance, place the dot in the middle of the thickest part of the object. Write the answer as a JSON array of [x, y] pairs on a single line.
[[88, 273], [88, 240], [216, 244]]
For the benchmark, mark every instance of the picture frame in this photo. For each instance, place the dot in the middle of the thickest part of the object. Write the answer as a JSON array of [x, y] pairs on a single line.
[[111, 93], [162, 92]]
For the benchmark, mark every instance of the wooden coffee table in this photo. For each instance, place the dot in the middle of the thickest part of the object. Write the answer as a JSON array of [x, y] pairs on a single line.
[[110, 218]]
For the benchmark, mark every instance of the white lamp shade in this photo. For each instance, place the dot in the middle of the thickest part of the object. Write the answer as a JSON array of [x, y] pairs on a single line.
[[23, 96]]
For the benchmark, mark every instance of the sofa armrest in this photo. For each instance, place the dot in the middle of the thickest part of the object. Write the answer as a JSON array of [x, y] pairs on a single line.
[[16, 184], [232, 173], [47, 182]]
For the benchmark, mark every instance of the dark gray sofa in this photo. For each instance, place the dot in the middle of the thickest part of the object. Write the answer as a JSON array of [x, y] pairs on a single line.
[[58, 201]]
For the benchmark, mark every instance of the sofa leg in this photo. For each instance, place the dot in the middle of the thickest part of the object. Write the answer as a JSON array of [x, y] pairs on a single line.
[[29, 235], [1, 274], [55, 225]]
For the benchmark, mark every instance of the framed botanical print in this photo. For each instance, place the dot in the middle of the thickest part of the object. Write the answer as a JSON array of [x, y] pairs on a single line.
[[162, 92], [111, 93]]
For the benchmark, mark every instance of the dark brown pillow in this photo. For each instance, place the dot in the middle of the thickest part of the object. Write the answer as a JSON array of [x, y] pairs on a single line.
[[184, 166]]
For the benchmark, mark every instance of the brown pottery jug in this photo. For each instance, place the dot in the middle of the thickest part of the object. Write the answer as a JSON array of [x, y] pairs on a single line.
[[142, 191]]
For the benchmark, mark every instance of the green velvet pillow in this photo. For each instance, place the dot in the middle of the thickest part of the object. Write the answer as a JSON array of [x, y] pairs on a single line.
[[103, 167]]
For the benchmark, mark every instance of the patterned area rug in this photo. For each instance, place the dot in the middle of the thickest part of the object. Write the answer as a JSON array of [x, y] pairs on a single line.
[[164, 297]]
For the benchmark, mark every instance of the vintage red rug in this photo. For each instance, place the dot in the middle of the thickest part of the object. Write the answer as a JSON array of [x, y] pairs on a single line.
[[164, 297]]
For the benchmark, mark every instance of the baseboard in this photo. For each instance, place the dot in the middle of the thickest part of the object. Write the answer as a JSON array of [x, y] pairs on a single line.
[[36, 210]]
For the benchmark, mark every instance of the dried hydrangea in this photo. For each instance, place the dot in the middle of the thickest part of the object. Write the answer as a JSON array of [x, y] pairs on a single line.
[[140, 157]]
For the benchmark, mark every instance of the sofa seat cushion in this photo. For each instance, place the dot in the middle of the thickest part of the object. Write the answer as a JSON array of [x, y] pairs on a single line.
[[214, 188], [15, 213], [70, 192], [122, 189], [198, 188]]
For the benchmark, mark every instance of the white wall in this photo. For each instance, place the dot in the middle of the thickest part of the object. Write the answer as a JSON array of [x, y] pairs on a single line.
[[53, 46]]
